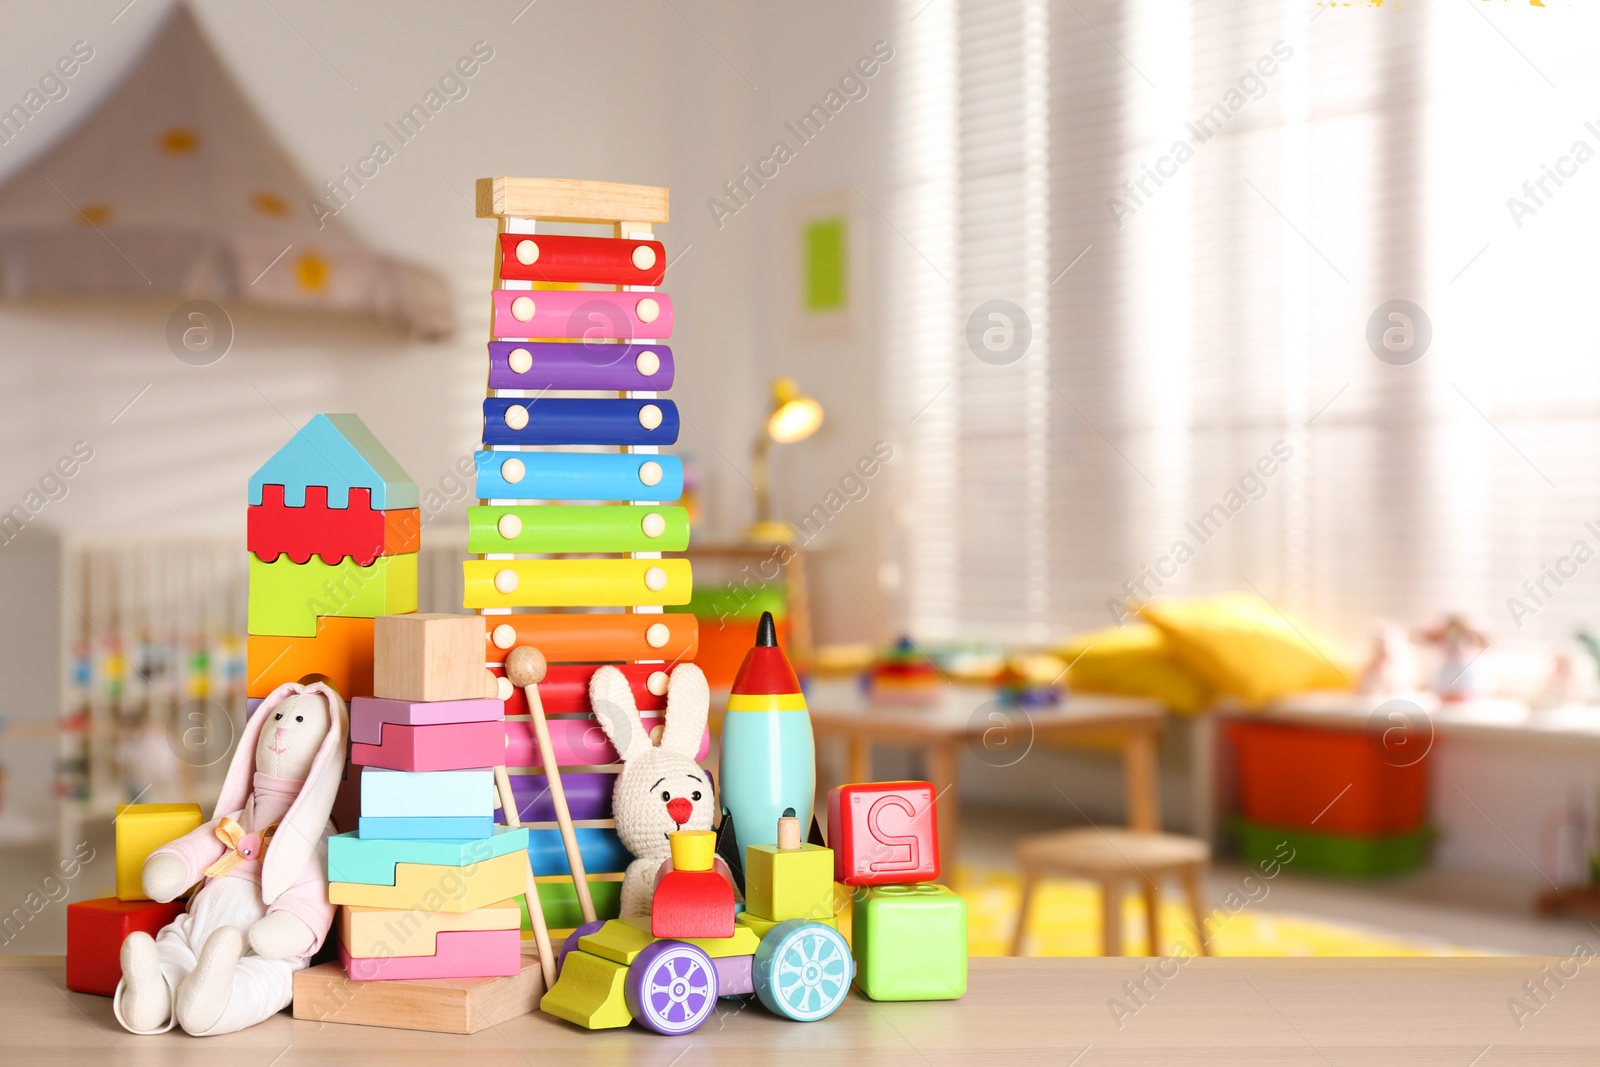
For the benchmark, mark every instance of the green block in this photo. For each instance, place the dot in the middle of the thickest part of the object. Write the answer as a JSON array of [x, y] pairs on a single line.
[[589, 992], [560, 903], [287, 597], [782, 884], [910, 943], [740, 604]]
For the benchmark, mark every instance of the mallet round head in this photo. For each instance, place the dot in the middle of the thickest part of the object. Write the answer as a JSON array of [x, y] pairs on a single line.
[[525, 666]]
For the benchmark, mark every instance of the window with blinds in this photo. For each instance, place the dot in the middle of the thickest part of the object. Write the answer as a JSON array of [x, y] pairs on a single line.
[[1206, 216]]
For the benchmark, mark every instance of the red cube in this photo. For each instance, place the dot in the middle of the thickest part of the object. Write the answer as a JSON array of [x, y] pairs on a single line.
[[95, 932], [884, 833]]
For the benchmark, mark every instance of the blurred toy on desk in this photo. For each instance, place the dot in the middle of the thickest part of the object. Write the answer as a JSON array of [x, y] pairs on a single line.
[[1459, 676], [1393, 667], [903, 675], [1032, 681]]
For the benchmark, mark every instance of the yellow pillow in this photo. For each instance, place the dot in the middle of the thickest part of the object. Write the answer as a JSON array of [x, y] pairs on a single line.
[[1244, 648], [1134, 660]]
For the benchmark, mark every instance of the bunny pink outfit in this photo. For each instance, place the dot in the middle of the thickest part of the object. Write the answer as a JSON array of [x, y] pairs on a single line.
[[293, 874]]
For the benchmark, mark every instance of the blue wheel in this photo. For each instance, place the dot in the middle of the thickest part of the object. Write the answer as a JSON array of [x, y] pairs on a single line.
[[572, 942], [802, 970], [671, 987]]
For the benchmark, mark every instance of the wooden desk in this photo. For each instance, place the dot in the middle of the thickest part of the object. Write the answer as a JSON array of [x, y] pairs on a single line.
[[969, 717], [1020, 1012]]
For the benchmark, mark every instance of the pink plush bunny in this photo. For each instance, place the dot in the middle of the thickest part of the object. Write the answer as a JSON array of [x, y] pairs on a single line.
[[262, 861]]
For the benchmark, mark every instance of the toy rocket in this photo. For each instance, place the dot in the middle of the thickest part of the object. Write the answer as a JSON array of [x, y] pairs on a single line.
[[769, 759]]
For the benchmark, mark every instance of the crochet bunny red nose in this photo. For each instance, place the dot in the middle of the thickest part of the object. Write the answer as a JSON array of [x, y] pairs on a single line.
[[679, 809]]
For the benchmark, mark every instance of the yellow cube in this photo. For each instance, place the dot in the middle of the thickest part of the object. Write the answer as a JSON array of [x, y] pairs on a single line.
[[141, 829], [782, 883]]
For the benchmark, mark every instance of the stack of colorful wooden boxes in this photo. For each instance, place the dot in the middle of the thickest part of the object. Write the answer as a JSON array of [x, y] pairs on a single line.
[[333, 533], [428, 882], [97, 928], [575, 500], [908, 933], [1342, 802]]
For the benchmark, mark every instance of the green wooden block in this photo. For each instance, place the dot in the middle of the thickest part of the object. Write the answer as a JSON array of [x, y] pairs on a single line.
[[910, 943], [529, 528], [589, 993], [782, 884], [560, 902], [286, 597]]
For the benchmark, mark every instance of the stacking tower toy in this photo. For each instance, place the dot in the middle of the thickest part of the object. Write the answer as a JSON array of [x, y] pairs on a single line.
[[574, 511], [333, 532], [428, 881]]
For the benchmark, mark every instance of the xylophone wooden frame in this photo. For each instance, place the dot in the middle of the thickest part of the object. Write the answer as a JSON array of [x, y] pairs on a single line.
[[632, 211]]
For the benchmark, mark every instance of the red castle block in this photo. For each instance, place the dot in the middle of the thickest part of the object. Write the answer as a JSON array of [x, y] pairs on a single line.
[[884, 833], [358, 531]]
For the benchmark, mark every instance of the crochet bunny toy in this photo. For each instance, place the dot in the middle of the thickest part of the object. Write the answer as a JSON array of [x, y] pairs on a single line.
[[661, 788], [262, 909]]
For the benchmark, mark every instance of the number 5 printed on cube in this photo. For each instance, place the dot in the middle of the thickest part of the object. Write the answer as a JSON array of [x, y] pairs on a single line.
[[884, 833]]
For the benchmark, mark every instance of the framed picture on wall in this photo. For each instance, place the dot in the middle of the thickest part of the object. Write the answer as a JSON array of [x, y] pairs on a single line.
[[826, 264]]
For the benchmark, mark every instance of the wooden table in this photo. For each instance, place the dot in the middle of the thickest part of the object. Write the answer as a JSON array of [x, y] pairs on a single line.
[[969, 718], [1020, 1012]]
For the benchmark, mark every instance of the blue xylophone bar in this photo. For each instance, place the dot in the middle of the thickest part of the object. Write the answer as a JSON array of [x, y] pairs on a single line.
[[550, 421], [578, 476]]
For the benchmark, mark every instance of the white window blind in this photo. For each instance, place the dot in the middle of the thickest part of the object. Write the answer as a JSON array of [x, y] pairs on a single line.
[[1198, 208]]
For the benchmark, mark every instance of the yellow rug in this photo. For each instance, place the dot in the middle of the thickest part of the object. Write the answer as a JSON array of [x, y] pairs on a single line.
[[1065, 921]]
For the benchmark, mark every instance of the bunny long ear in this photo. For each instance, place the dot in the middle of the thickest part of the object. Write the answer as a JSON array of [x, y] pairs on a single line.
[[612, 700], [688, 705], [299, 833]]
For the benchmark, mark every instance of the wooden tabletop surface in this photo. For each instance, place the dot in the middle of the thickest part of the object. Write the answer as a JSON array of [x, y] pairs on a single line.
[[1280, 1012]]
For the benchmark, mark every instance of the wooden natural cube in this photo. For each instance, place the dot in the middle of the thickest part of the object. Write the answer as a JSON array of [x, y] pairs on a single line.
[[910, 942], [141, 829], [783, 883], [428, 657]]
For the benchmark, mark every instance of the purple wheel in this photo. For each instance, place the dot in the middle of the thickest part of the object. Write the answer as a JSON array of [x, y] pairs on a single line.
[[671, 987], [572, 942]]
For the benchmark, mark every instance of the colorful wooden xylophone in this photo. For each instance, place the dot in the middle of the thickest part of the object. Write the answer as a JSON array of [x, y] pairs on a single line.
[[575, 506]]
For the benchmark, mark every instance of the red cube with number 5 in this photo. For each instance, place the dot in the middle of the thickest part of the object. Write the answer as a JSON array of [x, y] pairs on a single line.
[[883, 833]]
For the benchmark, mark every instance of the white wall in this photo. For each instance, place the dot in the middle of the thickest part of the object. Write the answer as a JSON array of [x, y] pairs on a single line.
[[615, 90]]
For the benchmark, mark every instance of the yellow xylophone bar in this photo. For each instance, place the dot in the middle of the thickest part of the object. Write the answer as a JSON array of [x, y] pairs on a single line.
[[562, 583]]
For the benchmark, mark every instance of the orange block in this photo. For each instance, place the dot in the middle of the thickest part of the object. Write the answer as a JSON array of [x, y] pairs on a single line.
[[616, 637], [402, 531], [341, 652]]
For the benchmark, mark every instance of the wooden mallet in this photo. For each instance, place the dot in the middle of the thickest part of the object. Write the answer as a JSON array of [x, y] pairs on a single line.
[[525, 667], [541, 930]]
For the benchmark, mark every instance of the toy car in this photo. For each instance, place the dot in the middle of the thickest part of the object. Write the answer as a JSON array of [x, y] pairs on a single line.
[[666, 970], [800, 970]]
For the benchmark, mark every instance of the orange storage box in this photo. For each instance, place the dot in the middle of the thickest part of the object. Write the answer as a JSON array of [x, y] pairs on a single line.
[[1290, 775]]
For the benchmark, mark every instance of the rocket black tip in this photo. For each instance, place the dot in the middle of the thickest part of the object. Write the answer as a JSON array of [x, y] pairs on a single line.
[[766, 632]]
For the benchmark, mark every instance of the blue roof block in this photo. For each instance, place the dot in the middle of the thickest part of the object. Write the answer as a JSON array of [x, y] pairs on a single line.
[[337, 451]]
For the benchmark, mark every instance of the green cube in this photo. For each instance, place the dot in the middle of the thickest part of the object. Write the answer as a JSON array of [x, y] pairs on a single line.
[[910, 942], [784, 883]]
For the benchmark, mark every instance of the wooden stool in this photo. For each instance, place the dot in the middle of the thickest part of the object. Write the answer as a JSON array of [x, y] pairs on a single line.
[[1113, 857]]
